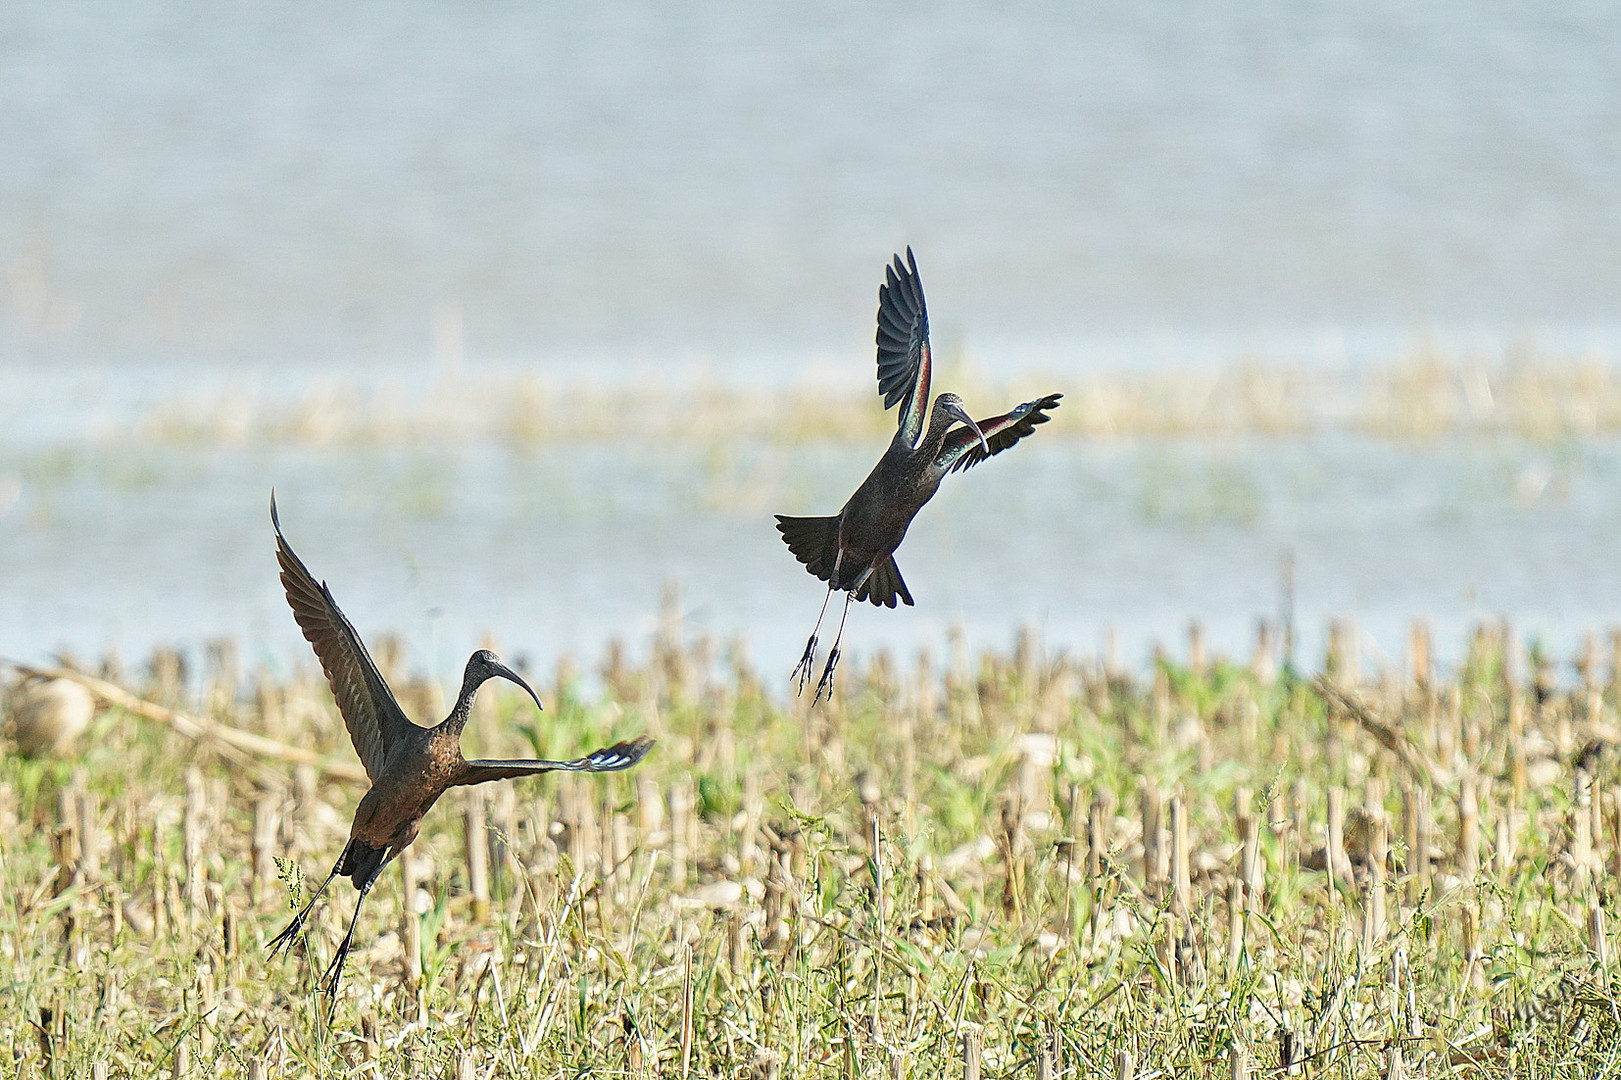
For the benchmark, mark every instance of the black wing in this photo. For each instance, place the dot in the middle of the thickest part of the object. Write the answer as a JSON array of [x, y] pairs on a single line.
[[903, 345], [611, 759], [962, 449], [374, 719]]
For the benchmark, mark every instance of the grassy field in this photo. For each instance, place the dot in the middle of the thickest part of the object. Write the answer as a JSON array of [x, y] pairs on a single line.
[[1022, 865]]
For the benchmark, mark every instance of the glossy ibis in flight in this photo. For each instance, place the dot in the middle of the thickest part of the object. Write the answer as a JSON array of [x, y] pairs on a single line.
[[409, 766], [855, 549]]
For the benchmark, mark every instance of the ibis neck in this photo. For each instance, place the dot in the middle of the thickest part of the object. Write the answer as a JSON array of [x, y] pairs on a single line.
[[463, 709], [935, 437]]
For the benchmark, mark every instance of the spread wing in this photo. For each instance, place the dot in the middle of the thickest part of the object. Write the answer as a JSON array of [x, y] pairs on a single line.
[[610, 759], [374, 719], [903, 345], [962, 449]]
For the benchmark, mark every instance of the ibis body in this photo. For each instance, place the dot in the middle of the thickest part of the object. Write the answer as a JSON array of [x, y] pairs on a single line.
[[409, 766], [854, 550]]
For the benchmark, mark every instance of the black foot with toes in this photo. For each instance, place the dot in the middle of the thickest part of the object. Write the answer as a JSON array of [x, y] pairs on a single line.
[[824, 685], [284, 940], [334, 973], [802, 670]]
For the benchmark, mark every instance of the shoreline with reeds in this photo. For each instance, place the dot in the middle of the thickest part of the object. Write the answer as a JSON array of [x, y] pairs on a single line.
[[1423, 395]]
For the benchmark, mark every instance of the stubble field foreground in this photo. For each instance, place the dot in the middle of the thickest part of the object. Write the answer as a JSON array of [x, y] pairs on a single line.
[[1010, 865]]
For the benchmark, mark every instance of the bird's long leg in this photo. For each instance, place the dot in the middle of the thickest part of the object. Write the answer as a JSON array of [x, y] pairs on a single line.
[[802, 670], [284, 939], [335, 971], [824, 685]]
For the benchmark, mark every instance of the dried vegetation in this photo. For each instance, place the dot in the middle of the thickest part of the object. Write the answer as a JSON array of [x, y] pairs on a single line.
[[1424, 394], [1020, 865]]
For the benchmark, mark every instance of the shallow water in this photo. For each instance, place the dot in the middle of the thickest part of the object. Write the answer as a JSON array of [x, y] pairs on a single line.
[[270, 196], [558, 549], [627, 183]]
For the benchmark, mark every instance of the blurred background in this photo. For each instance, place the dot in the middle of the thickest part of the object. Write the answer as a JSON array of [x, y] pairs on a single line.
[[528, 310]]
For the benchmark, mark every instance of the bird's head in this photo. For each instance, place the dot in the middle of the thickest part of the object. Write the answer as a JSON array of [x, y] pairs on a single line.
[[950, 406], [485, 665]]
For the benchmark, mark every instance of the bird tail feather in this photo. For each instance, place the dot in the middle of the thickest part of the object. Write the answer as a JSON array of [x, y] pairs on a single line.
[[884, 586], [361, 862]]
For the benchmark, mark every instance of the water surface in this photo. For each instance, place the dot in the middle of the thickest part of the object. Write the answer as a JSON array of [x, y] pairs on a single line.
[[557, 549]]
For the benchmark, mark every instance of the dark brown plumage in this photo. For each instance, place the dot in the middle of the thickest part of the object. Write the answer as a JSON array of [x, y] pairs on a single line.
[[409, 766], [854, 550]]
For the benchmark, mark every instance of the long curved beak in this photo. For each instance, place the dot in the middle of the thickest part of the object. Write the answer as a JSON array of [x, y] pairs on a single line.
[[512, 676], [958, 413]]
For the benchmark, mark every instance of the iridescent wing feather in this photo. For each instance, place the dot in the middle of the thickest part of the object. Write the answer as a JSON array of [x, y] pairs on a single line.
[[962, 449], [903, 346]]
